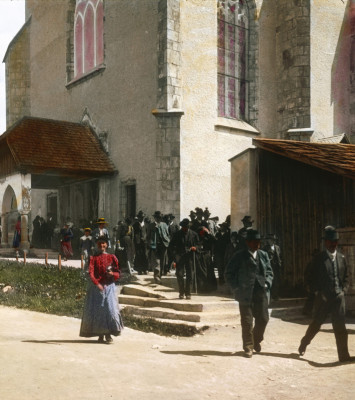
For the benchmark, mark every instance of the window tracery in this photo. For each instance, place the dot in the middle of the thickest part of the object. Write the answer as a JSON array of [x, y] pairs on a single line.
[[233, 40], [88, 36]]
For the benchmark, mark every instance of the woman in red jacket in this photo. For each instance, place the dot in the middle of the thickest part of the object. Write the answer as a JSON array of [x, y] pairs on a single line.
[[101, 315]]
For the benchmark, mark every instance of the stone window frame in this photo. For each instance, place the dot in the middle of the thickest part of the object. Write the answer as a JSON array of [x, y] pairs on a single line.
[[78, 11], [247, 122]]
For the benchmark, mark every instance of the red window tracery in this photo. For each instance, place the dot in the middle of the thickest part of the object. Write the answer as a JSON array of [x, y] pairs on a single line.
[[88, 36], [232, 58]]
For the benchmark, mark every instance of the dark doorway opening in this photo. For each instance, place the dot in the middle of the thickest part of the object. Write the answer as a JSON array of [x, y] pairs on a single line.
[[131, 201]]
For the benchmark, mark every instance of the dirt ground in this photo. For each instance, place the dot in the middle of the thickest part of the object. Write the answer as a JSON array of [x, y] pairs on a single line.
[[42, 357]]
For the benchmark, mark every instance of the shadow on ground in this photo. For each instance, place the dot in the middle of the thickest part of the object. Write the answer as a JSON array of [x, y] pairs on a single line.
[[294, 356]]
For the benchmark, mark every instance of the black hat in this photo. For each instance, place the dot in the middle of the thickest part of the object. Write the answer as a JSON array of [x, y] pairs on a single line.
[[102, 239], [247, 218], [253, 234], [185, 222], [140, 214], [157, 214], [330, 233]]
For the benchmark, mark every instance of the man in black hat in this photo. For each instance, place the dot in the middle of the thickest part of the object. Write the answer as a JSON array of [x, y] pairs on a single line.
[[250, 275], [158, 241], [274, 253], [242, 233], [140, 244], [329, 279], [183, 245]]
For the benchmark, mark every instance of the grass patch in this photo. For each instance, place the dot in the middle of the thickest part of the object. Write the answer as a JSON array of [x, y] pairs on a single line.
[[41, 288]]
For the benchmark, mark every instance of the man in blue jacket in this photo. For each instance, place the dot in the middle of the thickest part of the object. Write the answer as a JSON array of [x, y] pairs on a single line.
[[250, 275]]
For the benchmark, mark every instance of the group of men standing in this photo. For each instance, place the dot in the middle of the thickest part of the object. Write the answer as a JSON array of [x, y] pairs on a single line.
[[250, 275]]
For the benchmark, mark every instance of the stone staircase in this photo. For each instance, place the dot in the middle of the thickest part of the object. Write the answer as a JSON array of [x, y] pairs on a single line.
[[147, 300]]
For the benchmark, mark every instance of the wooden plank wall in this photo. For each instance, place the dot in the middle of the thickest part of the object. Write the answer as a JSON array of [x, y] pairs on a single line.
[[296, 201]]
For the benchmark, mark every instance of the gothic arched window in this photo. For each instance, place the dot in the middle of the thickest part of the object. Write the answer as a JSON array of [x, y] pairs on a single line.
[[233, 34], [88, 36]]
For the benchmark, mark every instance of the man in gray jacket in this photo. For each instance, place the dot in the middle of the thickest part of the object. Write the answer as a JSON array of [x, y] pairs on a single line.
[[250, 275]]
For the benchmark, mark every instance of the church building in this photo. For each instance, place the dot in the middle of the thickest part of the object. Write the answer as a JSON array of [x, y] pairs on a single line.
[[115, 106]]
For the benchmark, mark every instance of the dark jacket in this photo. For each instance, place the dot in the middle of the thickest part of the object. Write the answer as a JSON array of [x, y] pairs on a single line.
[[181, 242], [242, 274], [140, 233], [321, 274]]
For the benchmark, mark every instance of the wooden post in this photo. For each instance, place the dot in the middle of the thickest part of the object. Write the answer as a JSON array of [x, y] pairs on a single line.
[[46, 259], [82, 261], [24, 257], [59, 262]]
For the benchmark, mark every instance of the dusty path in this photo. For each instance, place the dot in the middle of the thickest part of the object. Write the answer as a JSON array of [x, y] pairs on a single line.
[[42, 357]]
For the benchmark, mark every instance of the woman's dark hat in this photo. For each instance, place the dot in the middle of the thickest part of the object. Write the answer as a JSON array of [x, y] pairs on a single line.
[[102, 239]]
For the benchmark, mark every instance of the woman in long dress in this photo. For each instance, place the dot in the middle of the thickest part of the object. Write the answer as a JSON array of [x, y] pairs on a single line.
[[101, 316]]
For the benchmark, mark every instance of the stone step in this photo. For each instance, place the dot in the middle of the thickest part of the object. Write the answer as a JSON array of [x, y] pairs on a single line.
[[178, 305], [162, 313], [208, 318], [138, 290]]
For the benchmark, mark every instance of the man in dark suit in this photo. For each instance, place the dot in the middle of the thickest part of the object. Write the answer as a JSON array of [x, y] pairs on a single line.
[[274, 253], [250, 275], [182, 245], [158, 241], [329, 279], [140, 244]]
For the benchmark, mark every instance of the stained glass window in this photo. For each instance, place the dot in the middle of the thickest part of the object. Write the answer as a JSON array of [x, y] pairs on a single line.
[[88, 36], [232, 58]]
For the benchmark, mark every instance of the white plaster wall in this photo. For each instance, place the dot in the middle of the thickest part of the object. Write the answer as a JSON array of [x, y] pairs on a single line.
[[119, 100], [205, 170], [17, 182], [39, 204], [326, 22]]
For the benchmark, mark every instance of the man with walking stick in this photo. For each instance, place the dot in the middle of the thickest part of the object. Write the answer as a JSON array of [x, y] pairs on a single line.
[[183, 247]]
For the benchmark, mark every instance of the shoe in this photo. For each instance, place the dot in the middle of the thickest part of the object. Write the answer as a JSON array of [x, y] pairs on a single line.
[[302, 349], [188, 297], [257, 347], [181, 296], [101, 339], [248, 353], [108, 339]]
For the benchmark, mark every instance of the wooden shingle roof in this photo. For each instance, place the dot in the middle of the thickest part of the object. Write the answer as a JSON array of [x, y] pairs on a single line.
[[338, 158], [63, 148]]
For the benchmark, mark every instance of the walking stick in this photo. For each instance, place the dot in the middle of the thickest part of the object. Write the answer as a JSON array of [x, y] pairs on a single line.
[[195, 272]]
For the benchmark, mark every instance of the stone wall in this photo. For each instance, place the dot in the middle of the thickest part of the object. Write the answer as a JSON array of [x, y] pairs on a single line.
[[293, 65], [18, 77]]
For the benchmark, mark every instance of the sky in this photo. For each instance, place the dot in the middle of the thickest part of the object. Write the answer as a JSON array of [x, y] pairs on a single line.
[[12, 17]]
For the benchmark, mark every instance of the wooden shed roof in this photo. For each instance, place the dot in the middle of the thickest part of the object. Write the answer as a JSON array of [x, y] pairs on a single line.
[[39, 146], [338, 158]]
